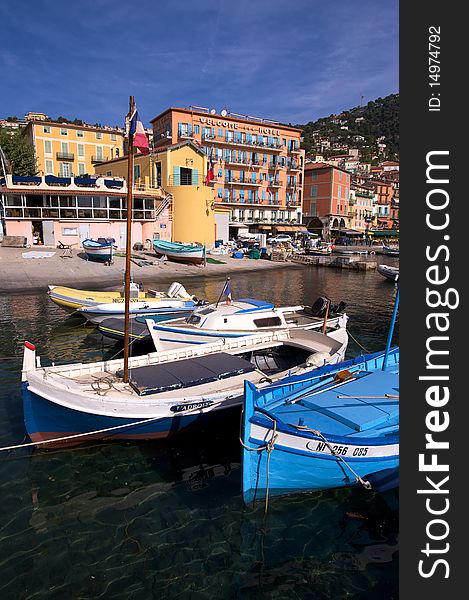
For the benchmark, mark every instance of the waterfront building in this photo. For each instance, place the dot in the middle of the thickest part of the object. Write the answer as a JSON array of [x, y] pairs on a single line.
[[326, 199], [178, 171], [384, 191], [362, 201], [48, 209], [257, 165], [66, 150]]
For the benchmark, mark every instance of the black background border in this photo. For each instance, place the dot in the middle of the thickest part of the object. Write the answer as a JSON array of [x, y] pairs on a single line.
[[422, 131]]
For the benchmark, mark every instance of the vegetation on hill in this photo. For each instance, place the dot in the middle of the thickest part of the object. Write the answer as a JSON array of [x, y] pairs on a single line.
[[18, 153], [362, 127]]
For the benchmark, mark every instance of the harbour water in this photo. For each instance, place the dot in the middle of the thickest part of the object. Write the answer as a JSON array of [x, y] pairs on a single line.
[[166, 519]]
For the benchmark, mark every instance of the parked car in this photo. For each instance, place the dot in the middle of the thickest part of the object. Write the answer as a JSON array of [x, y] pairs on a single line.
[[281, 237]]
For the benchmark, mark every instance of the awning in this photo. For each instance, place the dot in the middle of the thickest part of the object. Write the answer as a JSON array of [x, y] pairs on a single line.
[[287, 227], [343, 231], [384, 232], [239, 225]]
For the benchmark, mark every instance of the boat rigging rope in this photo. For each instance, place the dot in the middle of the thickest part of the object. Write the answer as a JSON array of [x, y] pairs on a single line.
[[365, 484], [79, 435], [358, 343], [268, 447]]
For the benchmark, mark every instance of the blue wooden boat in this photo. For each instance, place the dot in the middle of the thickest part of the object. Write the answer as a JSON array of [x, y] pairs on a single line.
[[177, 252], [338, 428], [100, 249], [391, 250]]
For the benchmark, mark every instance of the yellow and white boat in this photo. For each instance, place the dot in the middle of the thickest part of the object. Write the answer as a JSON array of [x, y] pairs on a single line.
[[71, 299]]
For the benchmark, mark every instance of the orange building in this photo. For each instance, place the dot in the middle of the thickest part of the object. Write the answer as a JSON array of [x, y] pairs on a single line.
[[326, 199], [384, 191], [257, 163]]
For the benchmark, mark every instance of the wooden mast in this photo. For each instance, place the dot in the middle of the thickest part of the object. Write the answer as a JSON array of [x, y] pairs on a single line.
[[130, 177]]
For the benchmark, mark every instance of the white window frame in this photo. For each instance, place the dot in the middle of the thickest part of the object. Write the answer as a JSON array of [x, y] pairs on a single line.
[[48, 143]]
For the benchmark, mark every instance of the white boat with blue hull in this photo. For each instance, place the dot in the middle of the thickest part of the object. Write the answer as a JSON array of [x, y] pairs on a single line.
[[159, 309], [244, 317], [100, 250], [335, 428], [167, 391]]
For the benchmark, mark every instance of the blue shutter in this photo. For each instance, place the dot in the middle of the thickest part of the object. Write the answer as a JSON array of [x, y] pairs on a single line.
[[195, 176], [176, 176]]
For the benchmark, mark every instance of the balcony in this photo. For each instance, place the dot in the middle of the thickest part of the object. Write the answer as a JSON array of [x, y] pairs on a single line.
[[237, 181], [275, 184], [184, 179], [242, 143], [255, 164], [99, 159], [65, 156]]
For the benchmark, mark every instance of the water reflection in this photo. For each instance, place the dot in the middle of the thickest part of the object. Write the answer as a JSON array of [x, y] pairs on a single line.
[[166, 519]]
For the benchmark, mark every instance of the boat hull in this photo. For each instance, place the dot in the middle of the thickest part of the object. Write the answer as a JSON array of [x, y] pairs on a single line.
[[294, 468], [194, 258], [98, 254], [46, 420], [96, 316], [171, 335], [391, 273], [180, 252]]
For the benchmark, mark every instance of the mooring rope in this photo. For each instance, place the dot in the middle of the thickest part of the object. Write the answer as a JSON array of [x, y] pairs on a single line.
[[79, 435], [357, 342], [268, 447]]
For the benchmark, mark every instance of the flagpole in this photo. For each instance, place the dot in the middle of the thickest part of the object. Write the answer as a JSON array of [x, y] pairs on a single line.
[[130, 177], [221, 294]]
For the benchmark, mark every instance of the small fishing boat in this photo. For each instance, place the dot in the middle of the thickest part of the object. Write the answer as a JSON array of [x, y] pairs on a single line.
[[71, 299], [334, 429], [159, 309], [391, 273], [244, 317], [391, 250], [100, 250], [113, 328], [167, 391], [321, 249], [185, 253], [337, 427]]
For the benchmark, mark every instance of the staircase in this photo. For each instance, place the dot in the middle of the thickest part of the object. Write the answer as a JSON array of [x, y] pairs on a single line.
[[166, 203]]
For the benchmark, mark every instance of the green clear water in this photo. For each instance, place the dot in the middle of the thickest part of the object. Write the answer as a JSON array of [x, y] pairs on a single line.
[[166, 519]]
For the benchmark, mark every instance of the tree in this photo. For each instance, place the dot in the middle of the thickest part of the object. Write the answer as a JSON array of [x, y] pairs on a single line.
[[19, 153]]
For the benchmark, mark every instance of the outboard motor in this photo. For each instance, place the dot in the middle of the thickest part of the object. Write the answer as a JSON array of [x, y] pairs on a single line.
[[318, 309], [339, 308]]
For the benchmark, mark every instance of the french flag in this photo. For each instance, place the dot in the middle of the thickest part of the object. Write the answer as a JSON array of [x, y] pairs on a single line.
[[140, 140], [227, 291], [210, 173]]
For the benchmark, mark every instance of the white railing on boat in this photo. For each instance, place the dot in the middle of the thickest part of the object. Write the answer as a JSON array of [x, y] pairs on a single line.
[[245, 342]]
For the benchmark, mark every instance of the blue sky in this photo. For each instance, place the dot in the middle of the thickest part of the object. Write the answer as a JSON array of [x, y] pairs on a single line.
[[290, 60]]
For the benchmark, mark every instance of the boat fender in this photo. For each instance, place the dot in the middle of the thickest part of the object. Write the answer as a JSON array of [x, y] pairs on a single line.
[[318, 359]]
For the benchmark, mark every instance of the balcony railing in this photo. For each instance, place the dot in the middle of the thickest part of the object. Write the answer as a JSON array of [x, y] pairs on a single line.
[[184, 179], [98, 159], [256, 164], [237, 181], [65, 156], [243, 143]]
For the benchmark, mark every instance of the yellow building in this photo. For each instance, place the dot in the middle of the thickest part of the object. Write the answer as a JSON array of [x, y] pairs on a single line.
[[65, 150], [179, 171]]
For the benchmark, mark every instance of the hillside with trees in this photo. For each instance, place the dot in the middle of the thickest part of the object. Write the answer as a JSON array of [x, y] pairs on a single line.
[[362, 127]]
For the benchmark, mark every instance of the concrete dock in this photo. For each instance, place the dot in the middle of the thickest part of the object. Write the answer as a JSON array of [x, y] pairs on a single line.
[[18, 273]]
